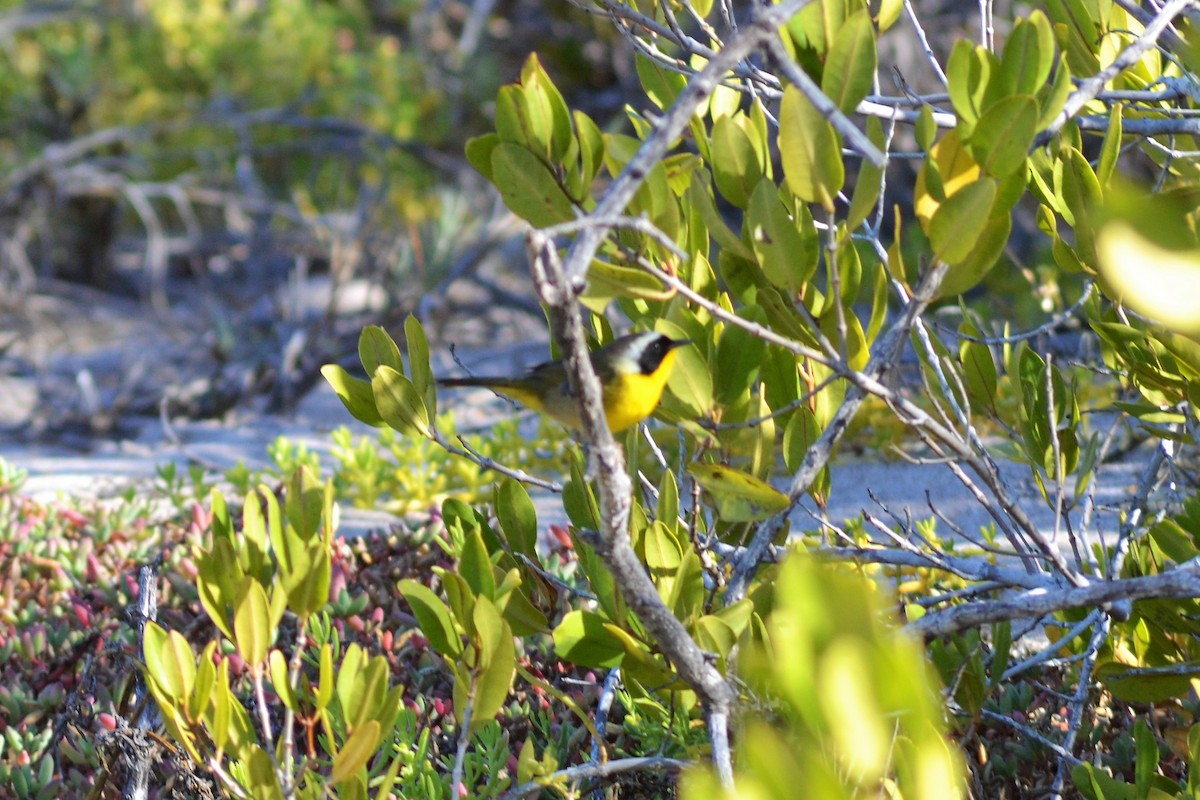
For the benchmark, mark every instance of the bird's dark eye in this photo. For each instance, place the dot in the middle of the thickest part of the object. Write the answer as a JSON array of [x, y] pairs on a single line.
[[653, 355]]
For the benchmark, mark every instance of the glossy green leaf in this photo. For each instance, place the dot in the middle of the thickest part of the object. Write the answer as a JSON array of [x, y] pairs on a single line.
[[517, 516], [967, 76], [661, 85], [325, 677], [277, 666], [541, 92], [1110, 150], [354, 393], [869, 183], [958, 222], [1001, 141], [926, 128], [786, 247], [979, 370], [582, 638], [475, 566], [737, 496], [889, 12], [355, 753], [1155, 281], [433, 617], [479, 153], [1028, 55], [494, 682], [528, 188], [399, 402], [418, 363], [376, 348], [691, 379], [738, 356], [640, 665], [735, 163], [983, 256], [169, 661], [219, 575], [699, 197], [261, 781], [810, 151], [252, 629], [851, 63]]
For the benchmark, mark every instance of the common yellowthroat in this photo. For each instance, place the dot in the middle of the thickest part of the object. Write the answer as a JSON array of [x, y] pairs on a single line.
[[633, 371]]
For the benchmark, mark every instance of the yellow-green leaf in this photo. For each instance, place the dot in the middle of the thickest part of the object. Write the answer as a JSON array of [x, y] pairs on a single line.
[[958, 222], [528, 188], [1000, 142], [399, 402], [433, 617], [1160, 283], [354, 393], [810, 151], [850, 65], [738, 497], [355, 753], [376, 348], [252, 622]]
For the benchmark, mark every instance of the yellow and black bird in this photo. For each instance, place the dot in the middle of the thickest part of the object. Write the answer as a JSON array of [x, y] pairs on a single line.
[[633, 371]]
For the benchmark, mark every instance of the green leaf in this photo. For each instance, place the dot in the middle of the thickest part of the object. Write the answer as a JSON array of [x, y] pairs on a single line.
[[735, 163], [528, 188], [1155, 281], [479, 153], [433, 617], [496, 662], [355, 753], [252, 630], [354, 393], [325, 677], [737, 496], [583, 639], [889, 12], [967, 78], [926, 128], [1000, 142], [475, 566], [869, 182], [739, 354], [661, 85], [700, 198], [376, 348], [1146, 763], [541, 92], [786, 247], [956, 225], [1028, 55], [640, 665], [979, 371], [1110, 150], [169, 661], [988, 249], [810, 151], [1054, 97], [418, 363], [399, 402], [517, 516], [261, 781], [277, 666], [850, 65]]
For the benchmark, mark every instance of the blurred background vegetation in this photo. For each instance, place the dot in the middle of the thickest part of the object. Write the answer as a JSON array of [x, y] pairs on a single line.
[[195, 157]]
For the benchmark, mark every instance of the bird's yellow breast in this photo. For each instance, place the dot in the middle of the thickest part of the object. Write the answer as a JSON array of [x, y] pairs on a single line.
[[630, 398]]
